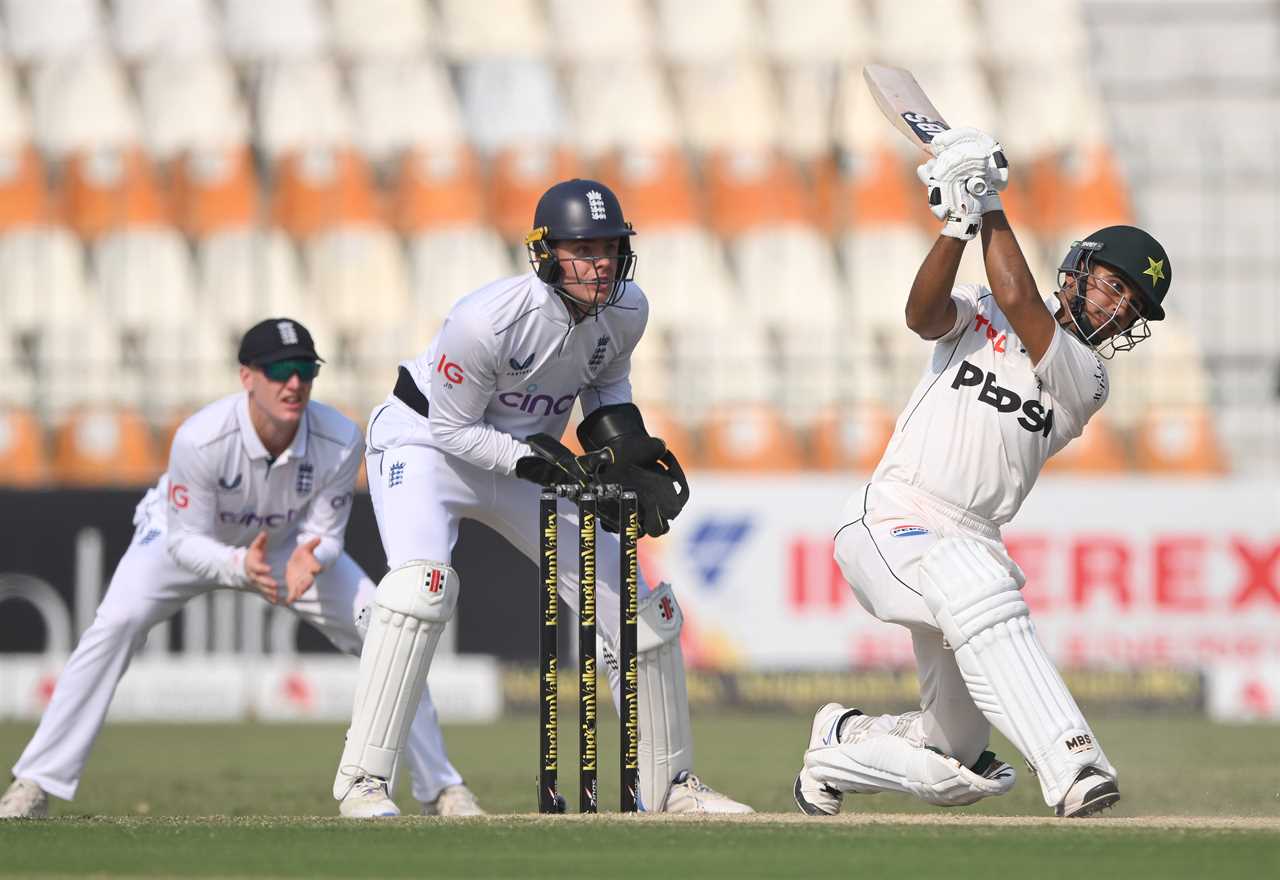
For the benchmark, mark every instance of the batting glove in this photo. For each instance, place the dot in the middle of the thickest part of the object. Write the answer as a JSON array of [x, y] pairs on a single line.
[[950, 200], [971, 143]]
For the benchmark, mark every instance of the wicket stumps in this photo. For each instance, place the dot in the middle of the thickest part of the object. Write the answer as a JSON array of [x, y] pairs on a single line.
[[587, 499]]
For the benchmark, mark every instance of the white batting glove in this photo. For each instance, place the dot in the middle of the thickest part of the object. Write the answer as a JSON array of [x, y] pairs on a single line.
[[972, 142], [949, 198]]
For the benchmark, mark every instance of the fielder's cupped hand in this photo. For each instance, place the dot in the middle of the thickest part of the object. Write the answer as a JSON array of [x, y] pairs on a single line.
[[258, 570], [301, 570]]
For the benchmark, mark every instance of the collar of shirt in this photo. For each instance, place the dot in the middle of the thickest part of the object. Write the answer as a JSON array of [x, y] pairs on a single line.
[[253, 443]]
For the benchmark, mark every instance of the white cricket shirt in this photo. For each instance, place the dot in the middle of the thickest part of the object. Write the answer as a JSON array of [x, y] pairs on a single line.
[[510, 362], [222, 488], [982, 421]]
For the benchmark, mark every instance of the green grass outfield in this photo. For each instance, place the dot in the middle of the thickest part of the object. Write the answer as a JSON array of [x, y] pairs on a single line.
[[1199, 800]]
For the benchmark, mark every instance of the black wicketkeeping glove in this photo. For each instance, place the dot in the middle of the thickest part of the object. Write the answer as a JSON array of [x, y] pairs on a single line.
[[554, 463]]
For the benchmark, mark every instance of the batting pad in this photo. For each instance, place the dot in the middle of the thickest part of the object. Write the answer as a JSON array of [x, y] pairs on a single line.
[[885, 762], [409, 612], [666, 738], [980, 610]]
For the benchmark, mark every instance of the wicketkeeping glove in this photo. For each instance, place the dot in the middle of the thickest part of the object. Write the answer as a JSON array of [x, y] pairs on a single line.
[[553, 463]]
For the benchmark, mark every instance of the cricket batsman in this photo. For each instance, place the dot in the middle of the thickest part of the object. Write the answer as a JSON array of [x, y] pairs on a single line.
[[1012, 378]]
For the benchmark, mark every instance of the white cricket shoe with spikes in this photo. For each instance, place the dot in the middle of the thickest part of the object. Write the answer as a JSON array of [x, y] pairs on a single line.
[[813, 797], [453, 800], [1092, 792], [25, 799], [368, 799], [689, 794]]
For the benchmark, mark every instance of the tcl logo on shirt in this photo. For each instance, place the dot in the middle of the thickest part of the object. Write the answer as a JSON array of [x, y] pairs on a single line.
[[178, 496], [1034, 415], [451, 371]]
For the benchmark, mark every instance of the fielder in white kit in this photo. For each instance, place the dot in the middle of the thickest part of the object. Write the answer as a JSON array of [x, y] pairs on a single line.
[[1012, 379], [256, 498], [471, 431]]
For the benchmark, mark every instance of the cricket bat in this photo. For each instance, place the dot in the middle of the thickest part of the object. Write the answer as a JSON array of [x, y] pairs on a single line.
[[905, 104]]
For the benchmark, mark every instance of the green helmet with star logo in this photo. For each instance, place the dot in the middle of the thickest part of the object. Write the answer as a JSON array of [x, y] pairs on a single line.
[[1135, 254]]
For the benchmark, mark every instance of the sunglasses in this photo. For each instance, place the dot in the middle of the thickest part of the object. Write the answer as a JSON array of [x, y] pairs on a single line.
[[280, 371]]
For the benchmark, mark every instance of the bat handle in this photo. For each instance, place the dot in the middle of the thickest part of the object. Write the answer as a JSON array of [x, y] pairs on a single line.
[[976, 186]]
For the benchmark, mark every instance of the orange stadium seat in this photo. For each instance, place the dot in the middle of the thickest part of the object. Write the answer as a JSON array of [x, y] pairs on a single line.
[[215, 189], [752, 188], [655, 187], [1099, 450], [750, 437], [877, 191], [109, 188], [1097, 193], [437, 187], [24, 197], [23, 461], [850, 438], [518, 177], [1178, 440], [105, 447], [322, 187]]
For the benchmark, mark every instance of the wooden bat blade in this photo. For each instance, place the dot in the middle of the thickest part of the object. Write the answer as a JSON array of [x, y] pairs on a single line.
[[904, 103]]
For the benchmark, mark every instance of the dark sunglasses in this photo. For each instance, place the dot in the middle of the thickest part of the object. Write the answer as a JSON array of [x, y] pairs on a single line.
[[280, 371]]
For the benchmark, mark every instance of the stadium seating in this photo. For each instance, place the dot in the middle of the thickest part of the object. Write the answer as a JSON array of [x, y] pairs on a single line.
[[23, 453], [106, 447], [172, 171], [750, 438]]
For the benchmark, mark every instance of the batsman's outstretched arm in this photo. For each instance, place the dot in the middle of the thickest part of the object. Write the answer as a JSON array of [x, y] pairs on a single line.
[[930, 311], [1014, 287]]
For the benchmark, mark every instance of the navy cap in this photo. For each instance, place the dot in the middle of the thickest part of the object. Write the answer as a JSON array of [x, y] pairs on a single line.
[[276, 339]]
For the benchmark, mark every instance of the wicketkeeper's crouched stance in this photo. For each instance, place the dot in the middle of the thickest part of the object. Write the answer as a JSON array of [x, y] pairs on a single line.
[[470, 432], [1012, 379]]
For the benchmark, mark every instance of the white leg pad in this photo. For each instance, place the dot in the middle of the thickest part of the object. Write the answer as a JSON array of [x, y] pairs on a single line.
[[666, 736], [409, 612], [977, 604], [887, 762]]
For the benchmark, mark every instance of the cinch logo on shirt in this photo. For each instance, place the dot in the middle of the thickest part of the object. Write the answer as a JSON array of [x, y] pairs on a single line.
[[250, 518], [528, 402], [1034, 416]]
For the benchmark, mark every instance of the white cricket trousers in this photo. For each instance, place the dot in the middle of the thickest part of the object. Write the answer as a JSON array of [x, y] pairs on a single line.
[[148, 587], [888, 529], [421, 495]]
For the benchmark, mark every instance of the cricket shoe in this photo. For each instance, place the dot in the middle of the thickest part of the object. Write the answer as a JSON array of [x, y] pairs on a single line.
[[813, 797], [1092, 792], [689, 794], [368, 799], [25, 799], [453, 800]]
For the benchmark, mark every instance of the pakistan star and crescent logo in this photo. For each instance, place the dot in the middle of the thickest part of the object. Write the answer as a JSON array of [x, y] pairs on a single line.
[[1155, 270]]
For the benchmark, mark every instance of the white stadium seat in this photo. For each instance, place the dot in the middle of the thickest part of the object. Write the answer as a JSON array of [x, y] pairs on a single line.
[[1014, 27], [621, 105], [248, 274], [189, 104], [15, 119], [707, 32], [820, 32], [41, 30], [280, 29], [41, 278], [382, 29], [478, 29], [808, 96], [401, 104], [916, 33], [82, 103], [685, 275], [357, 274], [447, 264], [620, 31], [144, 278], [301, 104], [146, 29], [512, 103], [82, 361], [747, 87]]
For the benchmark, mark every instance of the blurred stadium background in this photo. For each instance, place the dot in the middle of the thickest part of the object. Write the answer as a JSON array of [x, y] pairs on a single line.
[[172, 171]]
